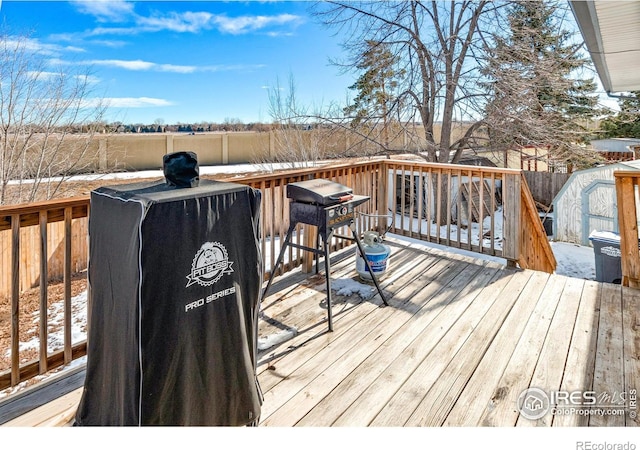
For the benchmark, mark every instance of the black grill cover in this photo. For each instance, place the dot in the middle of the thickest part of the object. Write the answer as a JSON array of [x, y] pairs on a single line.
[[175, 277]]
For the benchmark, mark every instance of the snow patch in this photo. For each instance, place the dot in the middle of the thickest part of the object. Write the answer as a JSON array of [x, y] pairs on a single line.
[[348, 287], [272, 340]]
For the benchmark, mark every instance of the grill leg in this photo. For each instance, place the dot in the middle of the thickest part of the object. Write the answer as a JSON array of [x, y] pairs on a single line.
[[327, 268], [315, 255]]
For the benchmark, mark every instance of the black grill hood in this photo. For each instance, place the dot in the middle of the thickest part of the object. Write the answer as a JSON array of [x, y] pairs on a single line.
[[318, 191]]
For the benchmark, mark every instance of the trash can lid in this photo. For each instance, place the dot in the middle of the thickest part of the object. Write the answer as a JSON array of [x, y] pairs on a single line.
[[605, 236]]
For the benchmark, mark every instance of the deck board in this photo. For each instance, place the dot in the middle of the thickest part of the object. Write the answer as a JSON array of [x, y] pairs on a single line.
[[349, 387], [335, 361], [403, 343], [631, 349], [609, 368], [581, 357], [460, 340], [526, 356], [437, 402], [480, 392], [553, 355], [431, 368]]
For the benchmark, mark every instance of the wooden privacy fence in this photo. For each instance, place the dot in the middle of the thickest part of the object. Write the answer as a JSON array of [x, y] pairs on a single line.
[[545, 186], [628, 198], [480, 209]]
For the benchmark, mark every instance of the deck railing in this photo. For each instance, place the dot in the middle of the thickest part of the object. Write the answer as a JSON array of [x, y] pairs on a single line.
[[480, 209], [628, 197], [41, 241], [484, 210]]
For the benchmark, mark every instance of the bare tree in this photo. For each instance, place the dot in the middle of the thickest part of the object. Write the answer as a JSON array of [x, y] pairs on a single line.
[[435, 44], [302, 135], [40, 109]]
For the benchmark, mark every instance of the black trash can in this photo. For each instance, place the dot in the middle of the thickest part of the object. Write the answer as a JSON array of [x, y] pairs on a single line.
[[175, 273], [608, 258], [547, 222]]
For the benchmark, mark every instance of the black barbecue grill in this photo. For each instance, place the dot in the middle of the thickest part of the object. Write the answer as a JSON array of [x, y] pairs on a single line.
[[327, 205]]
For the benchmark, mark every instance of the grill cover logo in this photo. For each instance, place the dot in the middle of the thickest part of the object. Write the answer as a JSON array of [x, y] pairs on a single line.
[[209, 264]]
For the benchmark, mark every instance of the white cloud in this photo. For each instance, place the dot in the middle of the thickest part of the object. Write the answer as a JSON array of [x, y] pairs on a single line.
[[35, 46], [112, 43], [275, 34], [136, 102], [269, 88], [71, 48], [246, 24], [140, 65], [186, 22], [52, 76], [105, 10], [190, 22], [175, 68], [97, 32]]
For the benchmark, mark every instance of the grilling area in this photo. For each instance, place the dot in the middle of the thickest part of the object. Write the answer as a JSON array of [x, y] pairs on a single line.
[[328, 206], [442, 339]]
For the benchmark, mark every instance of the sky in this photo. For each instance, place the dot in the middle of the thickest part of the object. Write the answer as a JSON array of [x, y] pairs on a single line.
[[187, 61], [171, 62]]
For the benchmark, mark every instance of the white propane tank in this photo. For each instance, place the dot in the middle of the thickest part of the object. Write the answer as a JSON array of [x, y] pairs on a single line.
[[377, 255]]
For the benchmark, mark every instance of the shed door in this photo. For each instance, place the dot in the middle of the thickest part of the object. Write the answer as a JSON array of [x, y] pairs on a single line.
[[599, 208]]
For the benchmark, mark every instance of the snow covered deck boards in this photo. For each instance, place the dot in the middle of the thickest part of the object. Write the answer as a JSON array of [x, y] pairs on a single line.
[[460, 341]]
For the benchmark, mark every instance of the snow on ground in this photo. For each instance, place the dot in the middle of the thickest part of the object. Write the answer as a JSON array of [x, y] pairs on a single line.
[[265, 342], [574, 260], [432, 229], [349, 287], [227, 169]]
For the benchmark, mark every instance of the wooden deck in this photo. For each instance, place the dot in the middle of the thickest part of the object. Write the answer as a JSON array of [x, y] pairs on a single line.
[[460, 341]]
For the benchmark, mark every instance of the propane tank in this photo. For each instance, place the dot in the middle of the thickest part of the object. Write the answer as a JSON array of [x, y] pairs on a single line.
[[377, 254]]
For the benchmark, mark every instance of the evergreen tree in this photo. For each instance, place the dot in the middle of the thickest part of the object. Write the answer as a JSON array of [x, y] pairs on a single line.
[[537, 97], [626, 123], [376, 98]]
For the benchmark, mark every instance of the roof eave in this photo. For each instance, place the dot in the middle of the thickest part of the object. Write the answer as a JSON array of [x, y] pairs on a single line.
[[587, 19]]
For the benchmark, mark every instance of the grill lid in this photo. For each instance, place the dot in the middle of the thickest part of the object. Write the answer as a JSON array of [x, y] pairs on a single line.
[[319, 191]]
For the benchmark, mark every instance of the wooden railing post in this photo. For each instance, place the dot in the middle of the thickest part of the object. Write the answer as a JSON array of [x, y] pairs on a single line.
[[628, 224], [68, 233], [44, 281], [382, 193], [511, 227], [15, 299], [534, 251], [309, 236], [31, 239]]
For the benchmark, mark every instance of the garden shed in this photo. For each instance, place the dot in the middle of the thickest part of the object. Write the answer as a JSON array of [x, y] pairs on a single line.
[[587, 202]]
